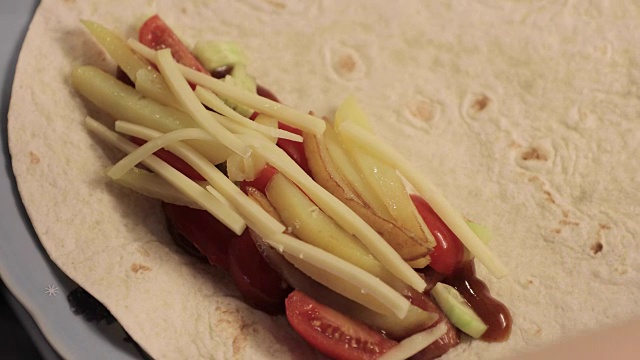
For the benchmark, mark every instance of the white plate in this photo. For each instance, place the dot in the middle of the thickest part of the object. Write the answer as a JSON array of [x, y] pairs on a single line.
[[25, 267]]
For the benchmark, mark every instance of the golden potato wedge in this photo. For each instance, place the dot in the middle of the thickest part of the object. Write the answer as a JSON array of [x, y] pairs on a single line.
[[324, 172]]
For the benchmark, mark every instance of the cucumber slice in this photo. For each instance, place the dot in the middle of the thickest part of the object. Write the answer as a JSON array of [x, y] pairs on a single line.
[[216, 54], [456, 308]]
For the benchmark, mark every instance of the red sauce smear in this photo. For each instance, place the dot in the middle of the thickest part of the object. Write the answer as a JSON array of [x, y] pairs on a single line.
[[494, 313]]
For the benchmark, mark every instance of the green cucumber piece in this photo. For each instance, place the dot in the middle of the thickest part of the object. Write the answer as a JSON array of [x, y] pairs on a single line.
[[216, 54], [458, 311]]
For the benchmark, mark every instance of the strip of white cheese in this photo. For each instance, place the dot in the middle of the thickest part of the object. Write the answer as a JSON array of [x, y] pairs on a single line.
[[341, 276], [152, 185], [224, 213], [144, 151], [253, 214], [217, 194], [287, 115], [431, 194], [414, 343], [181, 90], [214, 102]]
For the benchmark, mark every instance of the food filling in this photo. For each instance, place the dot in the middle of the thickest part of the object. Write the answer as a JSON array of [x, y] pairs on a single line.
[[312, 218]]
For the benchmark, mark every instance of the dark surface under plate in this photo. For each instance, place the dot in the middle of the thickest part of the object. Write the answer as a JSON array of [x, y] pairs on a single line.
[[15, 342]]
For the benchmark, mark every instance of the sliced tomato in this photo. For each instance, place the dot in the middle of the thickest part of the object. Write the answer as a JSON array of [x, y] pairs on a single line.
[[156, 34], [448, 252], [294, 149], [173, 160], [184, 243], [262, 180], [266, 93], [333, 333], [259, 284], [205, 232]]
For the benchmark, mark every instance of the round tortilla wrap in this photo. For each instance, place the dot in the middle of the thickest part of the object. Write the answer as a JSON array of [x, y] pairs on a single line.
[[523, 114]]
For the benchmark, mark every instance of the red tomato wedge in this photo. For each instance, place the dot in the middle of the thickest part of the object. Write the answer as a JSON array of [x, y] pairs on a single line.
[[266, 93], [156, 34], [262, 180], [172, 159], [448, 252], [294, 149], [259, 284], [333, 333], [205, 232]]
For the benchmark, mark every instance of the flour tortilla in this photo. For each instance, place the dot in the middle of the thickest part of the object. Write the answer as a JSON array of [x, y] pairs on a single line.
[[525, 115]]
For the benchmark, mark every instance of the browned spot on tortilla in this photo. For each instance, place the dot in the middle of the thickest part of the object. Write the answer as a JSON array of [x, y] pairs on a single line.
[[346, 63], [422, 110], [565, 213], [240, 341], [597, 247], [556, 230], [549, 196], [604, 226], [276, 4], [142, 251], [34, 158], [547, 193], [533, 154], [183, 10], [139, 268], [480, 103], [568, 222]]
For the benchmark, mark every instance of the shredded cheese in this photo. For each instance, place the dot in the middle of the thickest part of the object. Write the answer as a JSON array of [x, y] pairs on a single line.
[[224, 213], [287, 115], [341, 213], [152, 146], [431, 194], [254, 215], [368, 289], [340, 275], [213, 101], [414, 343], [217, 194], [152, 185], [181, 90]]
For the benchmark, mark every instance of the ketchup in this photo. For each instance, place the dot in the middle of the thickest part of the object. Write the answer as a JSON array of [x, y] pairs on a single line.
[[494, 313]]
